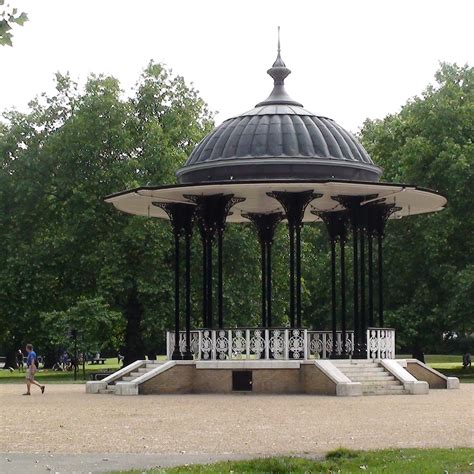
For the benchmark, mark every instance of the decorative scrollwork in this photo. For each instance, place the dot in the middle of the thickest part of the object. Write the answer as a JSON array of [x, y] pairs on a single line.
[[277, 344], [296, 344], [257, 344], [238, 344], [222, 345], [206, 345]]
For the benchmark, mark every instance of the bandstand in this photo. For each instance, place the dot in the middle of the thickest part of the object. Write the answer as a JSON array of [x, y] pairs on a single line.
[[279, 164]]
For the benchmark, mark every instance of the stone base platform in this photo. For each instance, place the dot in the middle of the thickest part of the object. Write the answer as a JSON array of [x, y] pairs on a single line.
[[319, 377]]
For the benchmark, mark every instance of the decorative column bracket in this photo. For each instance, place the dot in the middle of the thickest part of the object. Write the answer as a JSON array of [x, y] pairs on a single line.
[[266, 225], [212, 212], [294, 205], [181, 218]]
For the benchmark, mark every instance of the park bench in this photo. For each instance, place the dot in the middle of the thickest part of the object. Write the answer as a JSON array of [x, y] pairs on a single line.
[[97, 360]]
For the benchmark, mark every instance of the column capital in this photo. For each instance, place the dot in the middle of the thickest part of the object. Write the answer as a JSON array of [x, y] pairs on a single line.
[[181, 216], [294, 204]]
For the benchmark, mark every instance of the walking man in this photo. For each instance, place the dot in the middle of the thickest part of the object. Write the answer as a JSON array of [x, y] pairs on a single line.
[[31, 368]]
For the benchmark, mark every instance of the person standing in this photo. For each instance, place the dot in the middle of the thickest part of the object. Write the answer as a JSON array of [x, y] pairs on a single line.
[[31, 368], [19, 360]]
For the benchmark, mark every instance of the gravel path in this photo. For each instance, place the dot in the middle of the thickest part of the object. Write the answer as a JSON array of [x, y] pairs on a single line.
[[66, 420]]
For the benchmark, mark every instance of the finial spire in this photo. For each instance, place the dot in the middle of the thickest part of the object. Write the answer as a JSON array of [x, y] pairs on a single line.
[[279, 49], [279, 72]]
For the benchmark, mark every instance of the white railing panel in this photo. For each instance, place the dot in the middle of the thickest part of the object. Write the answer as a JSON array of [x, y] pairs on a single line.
[[278, 343]]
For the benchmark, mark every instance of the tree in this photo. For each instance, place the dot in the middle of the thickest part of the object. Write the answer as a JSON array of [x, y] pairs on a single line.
[[429, 277], [8, 17], [60, 242]]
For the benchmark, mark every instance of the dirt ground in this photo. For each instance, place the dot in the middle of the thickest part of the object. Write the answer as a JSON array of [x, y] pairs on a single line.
[[67, 420]]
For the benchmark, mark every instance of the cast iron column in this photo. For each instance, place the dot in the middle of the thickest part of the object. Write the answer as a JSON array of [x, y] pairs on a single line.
[[180, 215], [294, 204], [335, 225], [265, 225], [363, 319], [212, 212], [188, 232], [370, 276], [356, 213], [379, 214], [342, 251]]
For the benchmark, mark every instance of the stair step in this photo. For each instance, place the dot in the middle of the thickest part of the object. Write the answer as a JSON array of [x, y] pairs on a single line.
[[360, 363], [386, 379], [384, 392], [363, 372], [379, 383], [128, 378], [109, 390], [143, 370], [394, 388]]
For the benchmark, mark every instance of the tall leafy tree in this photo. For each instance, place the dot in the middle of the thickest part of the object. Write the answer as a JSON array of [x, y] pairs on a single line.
[[60, 242], [430, 259]]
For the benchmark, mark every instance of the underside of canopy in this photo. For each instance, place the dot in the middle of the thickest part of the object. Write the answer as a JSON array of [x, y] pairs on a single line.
[[408, 199]]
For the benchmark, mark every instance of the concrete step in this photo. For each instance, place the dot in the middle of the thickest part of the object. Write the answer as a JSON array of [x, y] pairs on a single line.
[[360, 363], [384, 391], [128, 378], [377, 383], [395, 388], [109, 390], [365, 370], [382, 379], [143, 370]]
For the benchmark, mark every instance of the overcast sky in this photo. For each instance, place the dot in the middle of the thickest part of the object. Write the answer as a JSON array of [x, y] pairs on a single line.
[[350, 59]]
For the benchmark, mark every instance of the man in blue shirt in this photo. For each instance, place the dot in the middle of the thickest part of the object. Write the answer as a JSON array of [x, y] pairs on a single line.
[[31, 370]]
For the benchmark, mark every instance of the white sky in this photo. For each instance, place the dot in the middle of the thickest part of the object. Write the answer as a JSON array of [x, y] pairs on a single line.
[[350, 59]]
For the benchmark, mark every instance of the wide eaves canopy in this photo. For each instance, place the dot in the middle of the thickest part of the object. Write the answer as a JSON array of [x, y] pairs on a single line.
[[409, 200]]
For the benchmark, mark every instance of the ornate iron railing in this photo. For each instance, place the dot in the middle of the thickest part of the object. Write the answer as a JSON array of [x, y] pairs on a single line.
[[380, 343], [259, 343]]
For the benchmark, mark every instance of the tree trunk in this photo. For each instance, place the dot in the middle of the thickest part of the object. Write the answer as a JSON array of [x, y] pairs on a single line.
[[417, 351], [134, 348], [10, 359]]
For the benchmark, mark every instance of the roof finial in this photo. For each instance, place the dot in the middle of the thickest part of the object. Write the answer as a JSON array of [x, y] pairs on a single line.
[[279, 49], [278, 72]]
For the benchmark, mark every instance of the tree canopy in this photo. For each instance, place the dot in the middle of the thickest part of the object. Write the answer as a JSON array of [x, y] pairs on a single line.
[[430, 259], [70, 261], [9, 16]]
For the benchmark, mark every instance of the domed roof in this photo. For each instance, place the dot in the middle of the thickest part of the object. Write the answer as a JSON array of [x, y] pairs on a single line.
[[278, 139]]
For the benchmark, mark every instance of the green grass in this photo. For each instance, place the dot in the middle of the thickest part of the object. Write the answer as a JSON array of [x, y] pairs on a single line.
[[396, 461], [450, 365], [447, 364], [50, 376]]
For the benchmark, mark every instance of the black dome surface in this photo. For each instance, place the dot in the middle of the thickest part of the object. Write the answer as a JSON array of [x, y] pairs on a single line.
[[278, 139]]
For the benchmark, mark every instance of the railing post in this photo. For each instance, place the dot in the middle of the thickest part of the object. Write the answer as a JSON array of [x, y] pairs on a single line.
[[286, 349], [305, 343], [323, 355], [393, 344], [199, 344], [168, 345], [230, 343], [247, 343], [267, 344], [213, 349], [367, 335]]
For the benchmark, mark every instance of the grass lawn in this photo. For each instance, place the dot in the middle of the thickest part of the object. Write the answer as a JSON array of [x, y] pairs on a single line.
[[51, 376], [447, 364], [396, 461], [450, 365]]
